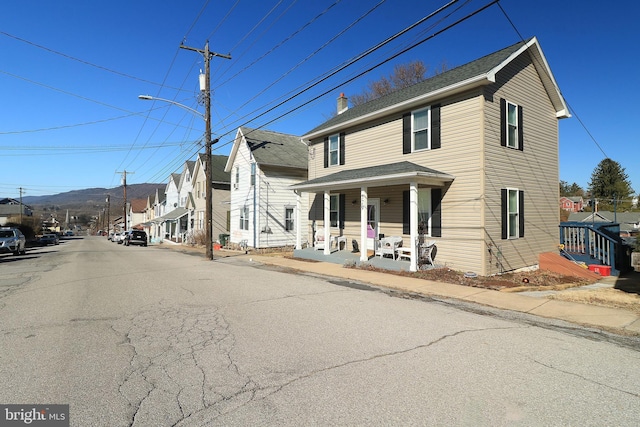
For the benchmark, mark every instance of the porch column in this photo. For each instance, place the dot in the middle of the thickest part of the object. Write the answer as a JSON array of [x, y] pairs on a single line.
[[413, 223], [363, 224], [298, 225], [327, 223]]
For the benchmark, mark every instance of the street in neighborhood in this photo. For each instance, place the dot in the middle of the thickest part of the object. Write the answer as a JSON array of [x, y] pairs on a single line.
[[144, 336]]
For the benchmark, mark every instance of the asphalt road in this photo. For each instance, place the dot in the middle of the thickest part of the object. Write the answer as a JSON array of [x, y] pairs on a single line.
[[152, 337]]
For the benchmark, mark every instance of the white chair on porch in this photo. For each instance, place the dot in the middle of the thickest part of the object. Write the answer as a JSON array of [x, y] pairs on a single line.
[[318, 239], [388, 246]]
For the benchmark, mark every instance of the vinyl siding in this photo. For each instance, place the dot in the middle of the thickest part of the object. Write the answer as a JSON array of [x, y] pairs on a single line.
[[471, 152], [380, 143], [272, 195], [534, 170]]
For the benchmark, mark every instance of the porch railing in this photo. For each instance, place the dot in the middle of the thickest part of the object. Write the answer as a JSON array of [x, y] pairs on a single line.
[[595, 243]]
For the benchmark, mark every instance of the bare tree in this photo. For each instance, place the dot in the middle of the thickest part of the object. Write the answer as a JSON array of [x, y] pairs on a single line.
[[403, 75]]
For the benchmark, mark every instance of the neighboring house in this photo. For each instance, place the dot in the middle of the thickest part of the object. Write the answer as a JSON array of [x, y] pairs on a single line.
[[220, 197], [572, 204], [263, 167], [159, 209], [629, 221], [149, 215], [10, 210], [468, 158], [175, 218], [136, 213]]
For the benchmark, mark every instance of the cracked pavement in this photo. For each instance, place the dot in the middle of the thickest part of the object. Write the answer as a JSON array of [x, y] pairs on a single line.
[[168, 339]]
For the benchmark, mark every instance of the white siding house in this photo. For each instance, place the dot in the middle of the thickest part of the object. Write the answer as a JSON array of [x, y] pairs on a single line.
[[263, 166]]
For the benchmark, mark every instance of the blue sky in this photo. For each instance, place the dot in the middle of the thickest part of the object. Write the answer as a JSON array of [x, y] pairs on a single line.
[[71, 72]]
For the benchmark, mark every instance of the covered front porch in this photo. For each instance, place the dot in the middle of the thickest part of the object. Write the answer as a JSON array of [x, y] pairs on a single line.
[[370, 204], [349, 258]]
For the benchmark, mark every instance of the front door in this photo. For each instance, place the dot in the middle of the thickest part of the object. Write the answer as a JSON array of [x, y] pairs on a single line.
[[373, 219]]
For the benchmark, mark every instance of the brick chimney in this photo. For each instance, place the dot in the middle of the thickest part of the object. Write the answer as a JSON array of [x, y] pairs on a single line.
[[343, 105]]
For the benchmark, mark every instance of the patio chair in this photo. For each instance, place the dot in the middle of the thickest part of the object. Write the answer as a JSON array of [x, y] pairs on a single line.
[[318, 239], [428, 251], [388, 246]]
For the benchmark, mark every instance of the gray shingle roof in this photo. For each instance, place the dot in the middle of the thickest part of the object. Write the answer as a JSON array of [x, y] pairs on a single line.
[[402, 170], [276, 149], [448, 78], [218, 164]]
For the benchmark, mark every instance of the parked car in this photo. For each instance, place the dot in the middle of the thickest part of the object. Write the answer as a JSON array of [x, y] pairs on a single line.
[[12, 240], [117, 238], [49, 239], [68, 233], [135, 237]]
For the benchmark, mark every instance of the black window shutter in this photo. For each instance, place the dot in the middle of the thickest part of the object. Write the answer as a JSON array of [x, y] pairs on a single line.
[[341, 209], [503, 122], [435, 126], [406, 227], [521, 213], [520, 132], [436, 214], [342, 148], [326, 152], [406, 133], [504, 215]]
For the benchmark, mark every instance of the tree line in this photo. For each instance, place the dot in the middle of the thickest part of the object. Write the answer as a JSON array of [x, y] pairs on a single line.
[[609, 187]]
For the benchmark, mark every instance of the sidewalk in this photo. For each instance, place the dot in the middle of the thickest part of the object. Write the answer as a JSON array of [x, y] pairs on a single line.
[[611, 319]]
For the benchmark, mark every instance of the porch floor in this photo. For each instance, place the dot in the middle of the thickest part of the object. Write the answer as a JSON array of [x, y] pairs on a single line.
[[348, 257]]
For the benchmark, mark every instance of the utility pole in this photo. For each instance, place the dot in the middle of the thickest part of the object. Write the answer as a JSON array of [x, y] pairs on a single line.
[[21, 208], [124, 183], [108, 216], [206, 92]]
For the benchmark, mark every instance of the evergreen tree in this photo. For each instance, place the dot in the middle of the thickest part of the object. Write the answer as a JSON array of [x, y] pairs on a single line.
[[609, 183]]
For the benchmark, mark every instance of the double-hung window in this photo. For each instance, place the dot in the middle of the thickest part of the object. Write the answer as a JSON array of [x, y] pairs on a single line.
[[512, 125], [288, 218], [244, 218], [511, 121], [512, 213], [334, 210], [334, 150], [420, 129]]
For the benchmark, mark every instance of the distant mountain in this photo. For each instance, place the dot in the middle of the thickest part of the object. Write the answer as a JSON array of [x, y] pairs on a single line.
[[94, 196]]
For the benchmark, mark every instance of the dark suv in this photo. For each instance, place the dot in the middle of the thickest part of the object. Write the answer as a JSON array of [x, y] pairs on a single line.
[[135, 237]]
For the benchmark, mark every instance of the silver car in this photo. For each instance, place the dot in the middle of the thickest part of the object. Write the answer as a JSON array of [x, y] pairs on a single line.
[[12, 240]]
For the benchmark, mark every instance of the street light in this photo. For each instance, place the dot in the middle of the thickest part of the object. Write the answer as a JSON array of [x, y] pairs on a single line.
[[208, 214], [191, 110]]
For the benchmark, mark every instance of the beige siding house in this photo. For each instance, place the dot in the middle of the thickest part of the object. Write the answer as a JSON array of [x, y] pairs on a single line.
[[220, 195], [468, 159]]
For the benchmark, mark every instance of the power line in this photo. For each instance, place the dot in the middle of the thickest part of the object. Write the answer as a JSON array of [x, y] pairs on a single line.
[[575, 114], [82, 61], [470, 15]]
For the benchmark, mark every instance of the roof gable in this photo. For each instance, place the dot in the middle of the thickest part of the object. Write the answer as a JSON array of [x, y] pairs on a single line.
[[270, 148], [476, 73]]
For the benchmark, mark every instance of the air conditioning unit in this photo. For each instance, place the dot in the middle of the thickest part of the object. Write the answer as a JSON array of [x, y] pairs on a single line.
[[235, 185]]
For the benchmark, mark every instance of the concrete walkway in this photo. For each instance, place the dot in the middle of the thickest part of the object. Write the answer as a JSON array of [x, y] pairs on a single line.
[[610, 319]]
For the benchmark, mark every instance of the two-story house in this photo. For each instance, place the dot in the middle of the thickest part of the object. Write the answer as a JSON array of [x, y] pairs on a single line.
[[135, 213], [220, 194], [572, 204], [264, 165], [467, 158]]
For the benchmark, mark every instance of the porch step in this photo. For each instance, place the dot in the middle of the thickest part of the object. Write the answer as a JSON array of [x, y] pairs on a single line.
[[552, 261]]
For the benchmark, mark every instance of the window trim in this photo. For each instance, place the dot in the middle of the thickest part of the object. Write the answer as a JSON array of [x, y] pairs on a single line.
[[289, 220], [335, 197], [244, 218], [518, 229], [336, 150], [414, 130], [509, 143]]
